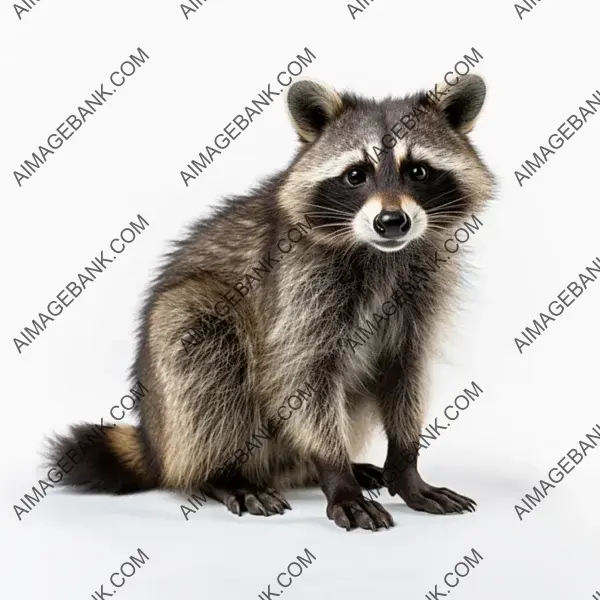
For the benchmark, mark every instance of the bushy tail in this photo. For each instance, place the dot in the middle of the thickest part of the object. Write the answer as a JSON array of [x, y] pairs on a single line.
[[102, 459]]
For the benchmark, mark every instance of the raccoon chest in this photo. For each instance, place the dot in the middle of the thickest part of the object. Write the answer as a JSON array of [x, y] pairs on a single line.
[[377, 326], [378, 321]]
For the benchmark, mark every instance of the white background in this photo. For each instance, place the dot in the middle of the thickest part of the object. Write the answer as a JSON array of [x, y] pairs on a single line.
[[126, 160]]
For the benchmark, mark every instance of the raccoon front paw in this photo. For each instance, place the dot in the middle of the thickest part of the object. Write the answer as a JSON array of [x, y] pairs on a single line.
[[435, 500], [359, 512]]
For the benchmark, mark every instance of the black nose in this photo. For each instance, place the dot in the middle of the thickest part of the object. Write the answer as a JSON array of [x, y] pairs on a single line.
[[392, 223]]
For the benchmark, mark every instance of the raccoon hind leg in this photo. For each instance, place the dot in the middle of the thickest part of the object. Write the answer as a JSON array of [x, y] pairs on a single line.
[[202, 366]]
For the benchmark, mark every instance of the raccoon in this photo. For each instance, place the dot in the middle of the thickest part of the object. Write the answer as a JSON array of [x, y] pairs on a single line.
[[374, 226]]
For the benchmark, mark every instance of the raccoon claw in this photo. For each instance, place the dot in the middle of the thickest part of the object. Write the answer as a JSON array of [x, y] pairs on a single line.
[[233, 505], [275, 494], [362, 513], [266, 502]]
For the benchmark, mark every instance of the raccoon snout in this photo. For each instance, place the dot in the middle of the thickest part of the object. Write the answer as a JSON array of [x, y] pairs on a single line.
[[392, 223]]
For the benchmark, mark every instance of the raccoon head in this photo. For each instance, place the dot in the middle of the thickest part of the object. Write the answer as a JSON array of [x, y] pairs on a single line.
[[385, 173]]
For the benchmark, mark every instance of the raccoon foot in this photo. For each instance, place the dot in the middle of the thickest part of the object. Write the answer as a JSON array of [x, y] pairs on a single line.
[[346, 506], [241, 496], [359, 512], [369, 476], [265, 501], [423, 497]]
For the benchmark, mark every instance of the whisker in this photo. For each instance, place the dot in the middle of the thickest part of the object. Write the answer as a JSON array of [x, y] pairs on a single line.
[[453, 212], [324, 209], [451, 202], [344, 230], [438, 197], [443, 221], [323, 214], [330, 225], [443, 207], [336, 202], [443, 174]]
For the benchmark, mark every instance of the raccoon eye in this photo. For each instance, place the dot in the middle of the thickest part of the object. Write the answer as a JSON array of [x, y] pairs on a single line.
[[356, 176], [419, 173]]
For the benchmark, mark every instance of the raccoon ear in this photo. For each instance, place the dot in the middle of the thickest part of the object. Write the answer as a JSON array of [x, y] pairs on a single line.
[[312, 106], [462, 102]]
